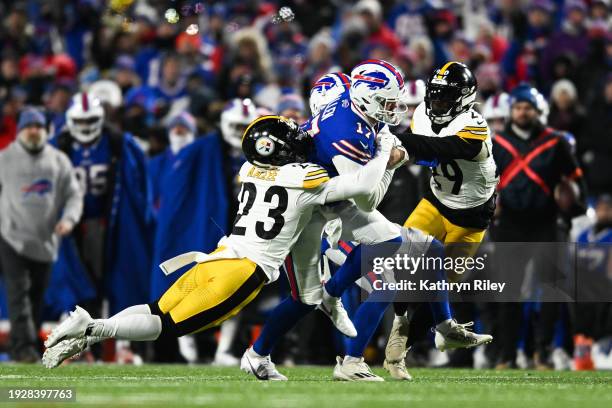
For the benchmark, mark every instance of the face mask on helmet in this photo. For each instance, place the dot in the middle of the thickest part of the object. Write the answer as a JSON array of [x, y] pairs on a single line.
[[85, 118], [443, 103], [235, 119]]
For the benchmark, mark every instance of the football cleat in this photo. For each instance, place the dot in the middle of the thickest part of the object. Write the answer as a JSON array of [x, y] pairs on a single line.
[[398, 340], [74, 326], [65, 349], [260, 366], [398, 369], [354, 369], [333, 308], [458, 335], [225, 360]]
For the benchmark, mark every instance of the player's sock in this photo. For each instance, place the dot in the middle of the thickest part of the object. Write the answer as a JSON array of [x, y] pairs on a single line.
[[441, 309], [351, 270], [138, 327], [405, 309], [281, 320], [366, 320], [226, 335]]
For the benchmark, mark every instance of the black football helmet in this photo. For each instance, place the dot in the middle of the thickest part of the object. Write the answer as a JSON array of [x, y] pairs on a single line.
[[271, 141], [451, 90]]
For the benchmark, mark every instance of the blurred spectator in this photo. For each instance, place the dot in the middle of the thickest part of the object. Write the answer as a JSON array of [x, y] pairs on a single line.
[[409, 19], [57, 100], [565, 110], [181, 132], [124, 73], [528, 208], [378, 33], [572, 41], [595, 147], [40, 202], [248, 57], [292, 106]]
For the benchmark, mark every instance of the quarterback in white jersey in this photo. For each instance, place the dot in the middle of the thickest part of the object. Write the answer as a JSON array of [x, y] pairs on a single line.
[[279, 193]]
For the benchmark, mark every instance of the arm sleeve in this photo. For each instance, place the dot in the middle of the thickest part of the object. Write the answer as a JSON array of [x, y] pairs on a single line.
[[441, 148], [72, 196], [363, 184]]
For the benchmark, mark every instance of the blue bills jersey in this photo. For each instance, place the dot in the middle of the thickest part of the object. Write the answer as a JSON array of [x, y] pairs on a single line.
[[92, 165], [340, 130]]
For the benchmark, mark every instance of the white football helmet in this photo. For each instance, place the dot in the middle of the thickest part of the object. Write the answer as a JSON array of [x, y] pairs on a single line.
[[107, 91], [326, 89], [85, 118], [412, 96], [414, 92], [497, 107], [376, 89], [235, 118]]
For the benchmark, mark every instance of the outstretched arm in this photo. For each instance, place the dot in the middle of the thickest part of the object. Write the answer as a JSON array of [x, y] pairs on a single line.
[[363, 182]]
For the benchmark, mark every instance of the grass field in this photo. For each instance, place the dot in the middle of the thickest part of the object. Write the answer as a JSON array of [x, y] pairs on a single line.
[[114, 386]]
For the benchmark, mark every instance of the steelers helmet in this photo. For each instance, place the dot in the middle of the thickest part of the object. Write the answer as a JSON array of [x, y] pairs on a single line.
[[451, 90], [272, 141]]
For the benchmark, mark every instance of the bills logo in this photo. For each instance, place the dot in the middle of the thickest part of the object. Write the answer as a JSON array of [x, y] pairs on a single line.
[[373, 80], [39, 187], [323, 84]]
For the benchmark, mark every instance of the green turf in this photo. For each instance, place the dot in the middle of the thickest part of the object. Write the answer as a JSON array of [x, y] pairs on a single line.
[[171, 386]]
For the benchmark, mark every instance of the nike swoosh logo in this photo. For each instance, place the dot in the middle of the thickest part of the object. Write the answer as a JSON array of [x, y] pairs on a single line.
[[479, 122], [259, 377], [365, 146]]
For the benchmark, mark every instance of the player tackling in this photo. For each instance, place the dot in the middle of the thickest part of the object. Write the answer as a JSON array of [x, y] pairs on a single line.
[[279, 192]]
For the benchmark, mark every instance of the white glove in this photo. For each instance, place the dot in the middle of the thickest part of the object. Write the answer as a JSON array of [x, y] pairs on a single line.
[[384, 142], [386, 133]]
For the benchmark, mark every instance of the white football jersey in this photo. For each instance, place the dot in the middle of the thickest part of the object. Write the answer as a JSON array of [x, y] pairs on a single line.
[[275, 205], [461, 184]]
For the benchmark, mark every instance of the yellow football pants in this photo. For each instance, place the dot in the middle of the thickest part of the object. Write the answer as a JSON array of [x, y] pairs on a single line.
[[210, 293], [428, 219]]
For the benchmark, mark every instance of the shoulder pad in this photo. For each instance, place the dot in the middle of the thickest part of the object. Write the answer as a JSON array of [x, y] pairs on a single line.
[[473, 126], [302, 175]]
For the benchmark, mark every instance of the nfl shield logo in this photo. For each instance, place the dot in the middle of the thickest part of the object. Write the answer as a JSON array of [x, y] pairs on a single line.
[[264, 146]]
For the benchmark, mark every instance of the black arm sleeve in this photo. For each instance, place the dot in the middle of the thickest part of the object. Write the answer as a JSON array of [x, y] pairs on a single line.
[[441, 148]]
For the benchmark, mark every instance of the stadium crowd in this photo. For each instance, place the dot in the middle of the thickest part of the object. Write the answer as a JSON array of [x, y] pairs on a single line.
[[172, 74]]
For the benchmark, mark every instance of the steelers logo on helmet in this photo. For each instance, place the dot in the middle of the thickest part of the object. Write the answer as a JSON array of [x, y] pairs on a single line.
[[265, 146]]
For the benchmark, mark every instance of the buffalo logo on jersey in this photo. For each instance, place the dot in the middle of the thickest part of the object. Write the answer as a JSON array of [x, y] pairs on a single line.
[[39, 187]]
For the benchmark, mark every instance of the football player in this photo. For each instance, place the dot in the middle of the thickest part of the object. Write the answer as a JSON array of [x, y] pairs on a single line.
[[461, 200], [279, 192], [344, 131]]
